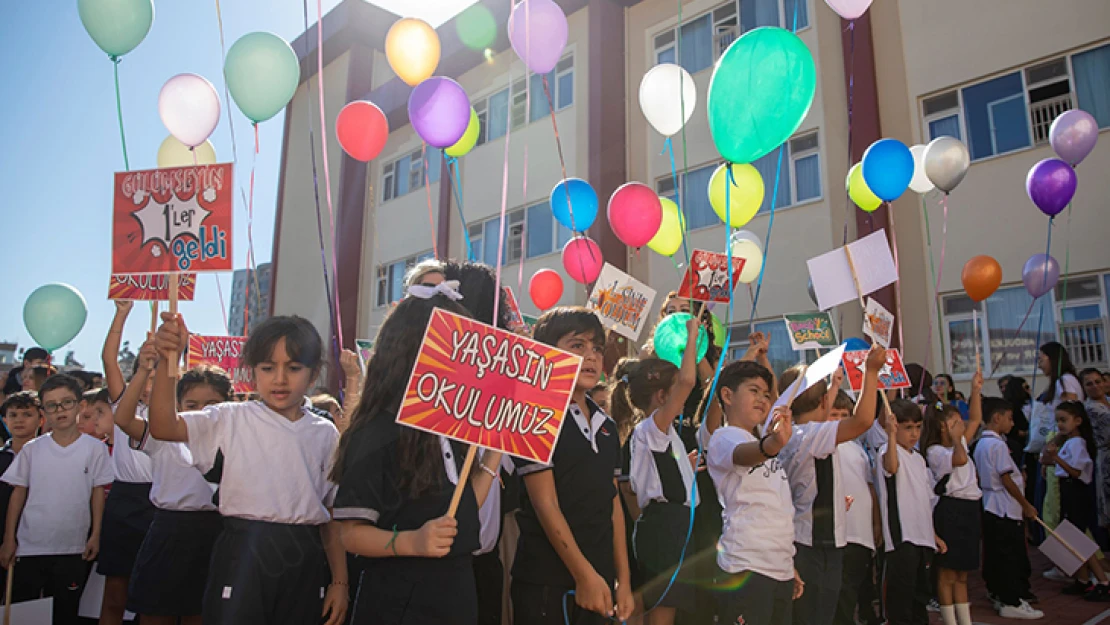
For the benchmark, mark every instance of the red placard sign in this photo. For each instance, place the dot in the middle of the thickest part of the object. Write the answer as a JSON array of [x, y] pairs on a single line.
[[222, 352], [892, 375], [172, 220], [706, 278], [143, 287], [484, 386]]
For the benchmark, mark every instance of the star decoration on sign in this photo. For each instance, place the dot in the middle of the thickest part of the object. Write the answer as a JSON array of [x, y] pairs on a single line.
[[164, 222]]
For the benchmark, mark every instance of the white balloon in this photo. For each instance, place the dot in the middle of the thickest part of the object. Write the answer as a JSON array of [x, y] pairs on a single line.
[[664, 109], [920, 183], [190, 108], [745, 235], [753, 259], [174, 153]]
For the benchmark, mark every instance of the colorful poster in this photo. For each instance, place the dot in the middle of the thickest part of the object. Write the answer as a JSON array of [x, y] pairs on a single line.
[[706, 278], [810, 331], [622, 302], [144, 287], [173, 220], [484, 386], [832, 275], [892, 375], [365, 349], [516, 318], [222, 352], [878, 322]]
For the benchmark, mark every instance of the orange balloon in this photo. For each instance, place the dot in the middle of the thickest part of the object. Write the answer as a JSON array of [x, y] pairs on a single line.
[[412, 49], [981, 277]]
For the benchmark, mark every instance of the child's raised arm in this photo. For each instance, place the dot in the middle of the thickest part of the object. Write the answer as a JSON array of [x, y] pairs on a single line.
[[864, 414], [756, 452], [134, 426], [165, 424], [975, 406], [683, 383], [890, 458], [113, 377]]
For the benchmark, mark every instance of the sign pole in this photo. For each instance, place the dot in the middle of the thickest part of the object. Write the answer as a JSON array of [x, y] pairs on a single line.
[[153, 317], [464, 475], [1063, 542], [855, 277], [173, 311], [8, 594]]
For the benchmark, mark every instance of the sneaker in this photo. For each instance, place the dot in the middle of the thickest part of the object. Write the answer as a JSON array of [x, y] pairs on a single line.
[[933, 606], [1100, 593], [995, 601], [1078, 588], [1030, 598], [1056, 575], [1022, 611]]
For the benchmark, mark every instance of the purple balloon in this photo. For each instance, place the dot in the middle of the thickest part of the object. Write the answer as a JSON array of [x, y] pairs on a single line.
[[1051, 185], [1040, 274], [439, 111], [538, 33], [1073, 135]]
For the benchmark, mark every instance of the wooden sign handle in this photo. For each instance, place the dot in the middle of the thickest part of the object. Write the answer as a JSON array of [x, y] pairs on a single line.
[[174, 371], [855, 277], [1073, 550], [8, 594], [463, 477], [153, 316]]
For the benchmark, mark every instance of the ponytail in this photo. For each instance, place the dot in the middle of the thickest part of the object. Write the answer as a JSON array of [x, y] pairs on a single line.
[[636, 382]]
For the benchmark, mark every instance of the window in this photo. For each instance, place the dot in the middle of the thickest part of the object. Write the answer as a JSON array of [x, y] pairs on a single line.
[[1049, 95], [482, 111], [387, 182], [477, 232], [996, 117], [781, 354], [498, 115], [799, 177], [564, 84], [493, 111], [1092, 82], [407, 173], [520, 93], [391, 278], [532, 229], [784, 13], [702, 39], [942, 115], [514, 236], [383, 286], [664, 47], [695, 201], [1002, 350]]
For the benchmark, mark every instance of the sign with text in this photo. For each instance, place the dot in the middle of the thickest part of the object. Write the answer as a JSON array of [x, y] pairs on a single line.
[[706, 278], [484, 386], [144, 287], [810, 331], [831, 273], [878, 322], [222, 352], [516, 318], [622, 302], [892, 375], [176, 219]]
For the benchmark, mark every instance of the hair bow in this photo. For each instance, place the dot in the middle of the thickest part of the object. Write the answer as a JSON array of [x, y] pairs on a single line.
[[449, 288]]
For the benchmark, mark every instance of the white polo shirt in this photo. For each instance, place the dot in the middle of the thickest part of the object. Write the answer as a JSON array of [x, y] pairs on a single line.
[[857, 476], [179, 483], [1074, 452], [810, 444], [963, 481], [905, 499], [130, 465], [646, 441], [993, 460]]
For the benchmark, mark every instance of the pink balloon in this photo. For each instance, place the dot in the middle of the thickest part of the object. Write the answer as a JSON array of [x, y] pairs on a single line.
[[190, 108], [635, 213], [582, 260], [538, 34], [849, 9]]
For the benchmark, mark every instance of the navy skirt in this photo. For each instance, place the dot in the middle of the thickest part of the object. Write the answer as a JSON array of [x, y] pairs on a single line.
[[172, 567], [127, 517]]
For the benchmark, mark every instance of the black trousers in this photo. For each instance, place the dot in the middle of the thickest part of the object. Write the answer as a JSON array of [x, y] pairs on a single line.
[[856, 572], [907, 584], [489, 576], [821, 569], [60, 577], [1006, 567], [753, 599], [535, 604]]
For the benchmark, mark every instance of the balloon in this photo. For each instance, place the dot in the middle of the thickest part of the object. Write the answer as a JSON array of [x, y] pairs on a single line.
[[669, 237], [173, 153], [981, 277], [468, 140], [859, 191], [719, 331], [190, 108], [856, 344], [1073, 135], [744, 197], [1051, 185], [810, 290], [574, 194], [745, 235], [262, 73], [849, 9], [54, 314], [659, 99], [753, 259], [635, 213], [888, 168], [669, 340], [439, 111], [540, 40], [476, 27], [760, 91], [920, 182], [582, 259], [117, 26], [362, 130], [946, 162], [545, 288], [1040, 274], [412, 49]]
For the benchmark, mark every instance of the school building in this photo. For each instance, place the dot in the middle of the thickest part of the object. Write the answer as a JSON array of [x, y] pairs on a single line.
[[994, 74]]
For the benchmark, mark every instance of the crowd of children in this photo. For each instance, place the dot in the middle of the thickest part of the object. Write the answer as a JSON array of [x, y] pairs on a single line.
[[713, 494]]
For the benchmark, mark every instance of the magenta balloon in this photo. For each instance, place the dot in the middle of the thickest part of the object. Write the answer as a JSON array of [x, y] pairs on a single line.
[[1040, 274], [849, 9], [538, 34], [1051, 185], [635, 213], [1073, 135], [439, 111], [582, 260]]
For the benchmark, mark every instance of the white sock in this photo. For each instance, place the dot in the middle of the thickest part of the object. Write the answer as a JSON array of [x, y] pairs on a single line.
[[948, 614], [963, 614]]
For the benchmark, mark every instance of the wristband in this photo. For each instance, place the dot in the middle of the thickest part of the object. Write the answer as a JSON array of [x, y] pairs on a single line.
[[392, 544], [492, 473], [764, 451]]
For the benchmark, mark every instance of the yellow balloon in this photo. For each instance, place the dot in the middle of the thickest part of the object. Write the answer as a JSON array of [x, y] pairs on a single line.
[[744, 198], [753, 259], [173, 153], [469, 138], [668, 238], [858, 190], [412, 49]]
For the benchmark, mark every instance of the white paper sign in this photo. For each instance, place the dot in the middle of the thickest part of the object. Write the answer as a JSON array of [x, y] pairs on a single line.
[[92, 596], [832, 277], [821, 368], [622, 302], [1060, 555], [878, 323], [37, 612]]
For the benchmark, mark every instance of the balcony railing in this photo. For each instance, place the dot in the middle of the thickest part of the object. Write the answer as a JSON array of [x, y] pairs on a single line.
[[1044, 112], [1086, 343]]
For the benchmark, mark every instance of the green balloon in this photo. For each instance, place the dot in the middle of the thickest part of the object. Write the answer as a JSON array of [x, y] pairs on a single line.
[[262, 73], [476, 27], [669, 340], [54, 314], [117, 26], [759, 93], [719, 331]]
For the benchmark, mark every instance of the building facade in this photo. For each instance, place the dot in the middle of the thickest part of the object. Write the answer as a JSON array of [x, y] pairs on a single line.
[[249, 287]]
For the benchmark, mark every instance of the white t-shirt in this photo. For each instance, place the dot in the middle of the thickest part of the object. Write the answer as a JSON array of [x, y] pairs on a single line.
[[857, 476], [993, 460], [811, 442], [909, 493], [647, 440], [178, 483], [59, 480], [963, 481], [275, 470], [758, 532], [128, 464], [1074, 452], [873, 441]]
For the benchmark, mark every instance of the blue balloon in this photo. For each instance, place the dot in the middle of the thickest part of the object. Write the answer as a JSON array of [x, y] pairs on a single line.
[[888, 168], [856, 344], [574, 194]]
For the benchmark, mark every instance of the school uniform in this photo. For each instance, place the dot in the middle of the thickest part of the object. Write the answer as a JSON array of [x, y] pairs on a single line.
[[584, 467], [127, 511], [905, 502], [1006, 567], [268, 564], [7, 455], [956, 517], [56, 519], [857, 476], [1076, 496], [489, 573], [756, 551]]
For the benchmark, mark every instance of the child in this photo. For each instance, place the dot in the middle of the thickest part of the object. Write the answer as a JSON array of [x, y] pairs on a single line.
[[756, 549], [86, 416], [395, 486], [956, 516], [22, 415], [601, 394], [906, 504], [1006, 567], [55, 511], [33, 357], [571, 523], [661, 474], [270, 563]]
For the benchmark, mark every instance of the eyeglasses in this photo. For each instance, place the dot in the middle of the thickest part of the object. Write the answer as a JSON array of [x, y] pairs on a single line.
[[53, 407]]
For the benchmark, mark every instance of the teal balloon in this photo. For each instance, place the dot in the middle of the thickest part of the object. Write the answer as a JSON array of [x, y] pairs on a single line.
[[760, 92], [54, 314], [262, 73], [670, 337], [117, 26]]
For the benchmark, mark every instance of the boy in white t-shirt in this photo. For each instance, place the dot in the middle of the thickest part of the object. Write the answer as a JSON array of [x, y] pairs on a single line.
[[53, 522]]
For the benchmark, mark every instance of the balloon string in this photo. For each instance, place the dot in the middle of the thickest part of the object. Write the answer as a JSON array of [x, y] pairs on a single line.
[[897, 272], [851, 96], [936, 294], [1040, 318], [119, 113], [250, 240], [327, 171], [227, 94], [668, 146], [505, 197], [1064, 304], [223, 309], [680, 183], [1017, 332], [566, 188], [453, 168], [428, 195], [524, 194]]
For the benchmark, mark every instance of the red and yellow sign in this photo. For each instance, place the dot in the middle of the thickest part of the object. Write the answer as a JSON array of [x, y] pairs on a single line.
[[707, 277], [892, 375], [145, 287], [222, 352], [484, 386]]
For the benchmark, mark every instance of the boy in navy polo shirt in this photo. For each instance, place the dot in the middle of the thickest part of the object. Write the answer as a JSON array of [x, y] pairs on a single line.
[[571, 524]]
